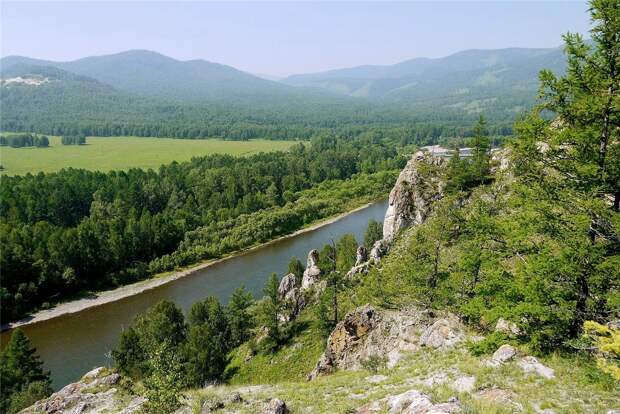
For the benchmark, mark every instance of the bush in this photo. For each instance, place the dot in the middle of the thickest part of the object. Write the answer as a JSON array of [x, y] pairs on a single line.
[[33, 392]]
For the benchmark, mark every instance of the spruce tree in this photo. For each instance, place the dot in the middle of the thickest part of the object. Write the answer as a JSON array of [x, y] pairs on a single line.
[[19, 366]]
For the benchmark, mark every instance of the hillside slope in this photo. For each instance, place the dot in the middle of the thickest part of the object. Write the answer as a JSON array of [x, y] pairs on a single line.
[[472, 80], [152, 74]]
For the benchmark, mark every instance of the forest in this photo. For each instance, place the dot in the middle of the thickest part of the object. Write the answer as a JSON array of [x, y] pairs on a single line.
[[76, 230]]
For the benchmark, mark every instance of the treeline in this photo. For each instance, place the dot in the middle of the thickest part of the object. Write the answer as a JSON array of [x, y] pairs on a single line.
[[24, 140], [75, 230], [423, 133]]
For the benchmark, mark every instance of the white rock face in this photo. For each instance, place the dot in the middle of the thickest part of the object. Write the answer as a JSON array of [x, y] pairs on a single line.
[[312, 274], [531, 364], [413, 194]]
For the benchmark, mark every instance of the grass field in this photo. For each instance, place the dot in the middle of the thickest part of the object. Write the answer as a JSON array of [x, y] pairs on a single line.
[[121, 153]]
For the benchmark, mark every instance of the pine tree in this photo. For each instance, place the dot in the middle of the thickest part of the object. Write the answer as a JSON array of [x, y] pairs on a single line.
[[239, 317], [269, 313], [19, 367], [374, 232]]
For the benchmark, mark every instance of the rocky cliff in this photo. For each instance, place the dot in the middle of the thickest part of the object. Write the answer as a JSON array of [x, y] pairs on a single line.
[[418, 186]]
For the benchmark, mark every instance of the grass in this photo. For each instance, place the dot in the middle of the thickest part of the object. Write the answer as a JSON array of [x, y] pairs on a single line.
[[122, 153], [577, 388]]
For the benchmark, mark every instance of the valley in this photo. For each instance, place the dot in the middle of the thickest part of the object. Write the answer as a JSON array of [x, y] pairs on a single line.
[[439, 235], [121, 153]]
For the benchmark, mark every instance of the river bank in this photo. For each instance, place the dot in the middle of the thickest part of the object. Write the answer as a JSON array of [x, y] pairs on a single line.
[[123, 292]]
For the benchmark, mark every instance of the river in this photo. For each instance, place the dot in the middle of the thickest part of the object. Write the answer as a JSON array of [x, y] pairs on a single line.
[[71, 345]]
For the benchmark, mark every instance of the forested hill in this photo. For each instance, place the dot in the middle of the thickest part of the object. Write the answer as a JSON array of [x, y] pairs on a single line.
[[152, 74], [471, 80], [145, 93]]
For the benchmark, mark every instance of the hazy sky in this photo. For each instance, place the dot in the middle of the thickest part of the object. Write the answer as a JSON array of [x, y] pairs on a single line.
[[281, 38]]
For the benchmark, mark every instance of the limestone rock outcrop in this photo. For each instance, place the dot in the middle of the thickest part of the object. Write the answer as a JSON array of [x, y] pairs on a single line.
[[312, 274], [367, 333], [293, 298], [417, 187], [379, 249], [94, 393]]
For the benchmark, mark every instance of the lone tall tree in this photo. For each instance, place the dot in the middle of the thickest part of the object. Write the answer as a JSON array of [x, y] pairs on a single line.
[[586, 147]]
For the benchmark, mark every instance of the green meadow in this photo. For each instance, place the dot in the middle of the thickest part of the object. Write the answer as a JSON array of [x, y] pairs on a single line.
[[121, 153]]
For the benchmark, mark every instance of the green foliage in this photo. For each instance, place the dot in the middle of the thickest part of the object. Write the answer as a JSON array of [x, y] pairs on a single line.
[[115, 228], [295, 267], [463, 174], [606, 340], [163, 322], [374, 232], [269, 311], [239, 317], [22, 373], [323, 314], [27, 396], [24, 140], [208, 342], [73, 140], [346, 250], [375, 363], [163, 385], [489, 344]]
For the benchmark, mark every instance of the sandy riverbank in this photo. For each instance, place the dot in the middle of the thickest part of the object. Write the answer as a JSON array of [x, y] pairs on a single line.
[[108, 296]]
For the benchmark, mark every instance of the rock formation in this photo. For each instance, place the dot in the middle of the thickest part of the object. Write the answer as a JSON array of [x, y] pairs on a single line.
[[410, 402], [94, 393], [292, 296], [379, 249], [312, 274], [361, 255], [417, 187], [367, 332]]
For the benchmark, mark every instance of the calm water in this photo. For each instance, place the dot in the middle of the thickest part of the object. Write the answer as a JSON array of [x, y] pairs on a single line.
[[73, 344]]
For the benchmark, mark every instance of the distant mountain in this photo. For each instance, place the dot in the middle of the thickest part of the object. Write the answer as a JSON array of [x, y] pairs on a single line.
[[470, 79], [152, 74]]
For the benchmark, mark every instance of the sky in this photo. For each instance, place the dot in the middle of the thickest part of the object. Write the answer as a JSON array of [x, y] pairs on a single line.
[[283, 38]]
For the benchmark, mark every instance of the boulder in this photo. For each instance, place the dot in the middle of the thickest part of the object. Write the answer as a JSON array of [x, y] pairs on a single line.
[[418, 186], [410, 402], [443, 333], [312, 274], [276, 406], [531, 364], [92, 394], [366, 333], [504, 353], [507, 327]]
